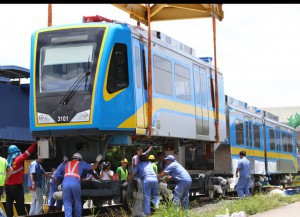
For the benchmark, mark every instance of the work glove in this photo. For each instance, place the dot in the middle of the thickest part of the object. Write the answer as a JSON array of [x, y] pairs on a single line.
[[99, 157], [65, 158]]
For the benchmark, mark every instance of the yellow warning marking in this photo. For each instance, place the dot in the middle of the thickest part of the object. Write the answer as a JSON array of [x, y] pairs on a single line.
[[2, 207], [15, 210]]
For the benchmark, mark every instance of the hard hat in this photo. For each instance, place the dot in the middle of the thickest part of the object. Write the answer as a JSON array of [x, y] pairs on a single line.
[[77, 156], [151, 157], [13, 149], [124, 160]]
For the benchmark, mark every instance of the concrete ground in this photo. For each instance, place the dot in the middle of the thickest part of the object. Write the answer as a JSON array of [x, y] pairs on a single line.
[[290, 210]]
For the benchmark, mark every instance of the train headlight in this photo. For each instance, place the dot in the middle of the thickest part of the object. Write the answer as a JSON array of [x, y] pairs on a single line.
[[44, 118], [82, 116]]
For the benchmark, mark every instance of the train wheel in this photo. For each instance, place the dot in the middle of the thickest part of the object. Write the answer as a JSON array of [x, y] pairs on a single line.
[[98, 202], [211, 194]]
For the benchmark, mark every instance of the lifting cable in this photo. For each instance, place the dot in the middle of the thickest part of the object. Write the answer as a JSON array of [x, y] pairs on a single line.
[[149, 75], [216, 82], [49, 15]]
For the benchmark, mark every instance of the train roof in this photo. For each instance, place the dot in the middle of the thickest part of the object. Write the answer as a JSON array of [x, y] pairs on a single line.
[[11, 72], [157, 37]]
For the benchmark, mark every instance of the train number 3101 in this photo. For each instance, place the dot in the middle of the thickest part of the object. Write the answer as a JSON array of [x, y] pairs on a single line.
[[62, 118]]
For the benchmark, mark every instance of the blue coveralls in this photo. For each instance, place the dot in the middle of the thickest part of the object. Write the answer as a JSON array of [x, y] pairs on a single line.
[[145, 171], [243, 185], [72, 188], [183, 183], [58, 175]]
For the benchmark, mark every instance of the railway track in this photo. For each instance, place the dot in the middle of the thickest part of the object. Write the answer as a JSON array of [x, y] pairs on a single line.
[[119, 211]]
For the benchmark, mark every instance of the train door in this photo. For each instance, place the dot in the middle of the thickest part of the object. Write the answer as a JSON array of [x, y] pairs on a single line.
[[278, 147], [249, 135], [201, 102], [139, 66]]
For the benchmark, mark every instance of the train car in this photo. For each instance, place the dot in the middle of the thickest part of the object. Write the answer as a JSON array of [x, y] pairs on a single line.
[[270, 145], [89, 89]]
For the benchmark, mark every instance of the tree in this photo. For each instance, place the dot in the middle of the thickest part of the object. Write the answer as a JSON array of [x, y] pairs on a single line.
[[294, 122]]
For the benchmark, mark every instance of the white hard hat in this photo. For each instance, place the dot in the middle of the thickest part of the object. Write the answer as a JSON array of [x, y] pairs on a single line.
[[77, 156]]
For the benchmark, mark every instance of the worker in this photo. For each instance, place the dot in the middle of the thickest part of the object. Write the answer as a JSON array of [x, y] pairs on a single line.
[[58, 175], [5, 173], [139, 152], [243, 168], [122, 170], [144, 170], [182, 179], [71, 183], [152, 160], [161, 158], [36, 171], [13, 185]]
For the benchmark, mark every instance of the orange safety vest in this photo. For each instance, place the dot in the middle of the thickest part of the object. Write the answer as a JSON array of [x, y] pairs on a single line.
[[72, 169]]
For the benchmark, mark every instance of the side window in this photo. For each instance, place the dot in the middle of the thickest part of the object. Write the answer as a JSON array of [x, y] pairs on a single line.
[[256, 136], [144, 70], [182, 82], [239, 131], [163, 82], [272, 139], [118, 69], [211, 86], [137, 66], [203, 86], [197, 84]]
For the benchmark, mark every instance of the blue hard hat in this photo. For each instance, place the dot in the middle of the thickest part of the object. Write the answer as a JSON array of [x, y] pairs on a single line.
[[12, 149]]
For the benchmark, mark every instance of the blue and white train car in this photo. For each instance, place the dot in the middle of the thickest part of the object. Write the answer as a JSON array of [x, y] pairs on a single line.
[[269, 144]]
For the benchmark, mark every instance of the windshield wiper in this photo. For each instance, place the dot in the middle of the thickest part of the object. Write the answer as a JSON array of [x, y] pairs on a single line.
[[75, 86]]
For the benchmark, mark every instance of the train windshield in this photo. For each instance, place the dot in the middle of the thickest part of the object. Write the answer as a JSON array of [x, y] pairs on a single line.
[[68, 58]]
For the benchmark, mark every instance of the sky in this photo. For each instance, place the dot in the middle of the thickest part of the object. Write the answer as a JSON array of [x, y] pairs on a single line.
[[258, 45]]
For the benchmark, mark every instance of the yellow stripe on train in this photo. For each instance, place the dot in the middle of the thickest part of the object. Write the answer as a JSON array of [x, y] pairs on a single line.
[[260, 153]]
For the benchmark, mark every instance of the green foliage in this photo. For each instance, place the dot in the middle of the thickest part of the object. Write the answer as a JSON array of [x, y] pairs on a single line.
[[115, 154], [294, 122]]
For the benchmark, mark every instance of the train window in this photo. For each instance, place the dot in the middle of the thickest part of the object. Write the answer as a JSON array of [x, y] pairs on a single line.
[[182, 82], [284, 142], [272, 139], [256, 136], [239, 131], [249, 139], [137, 66], [203, 86], [197, 84], [211, 86], [290, 145], [163, 82], [144, 70], [118, 69]]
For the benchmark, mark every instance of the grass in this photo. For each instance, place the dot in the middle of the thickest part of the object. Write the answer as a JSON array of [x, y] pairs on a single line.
[[27, 198], [251, 205]]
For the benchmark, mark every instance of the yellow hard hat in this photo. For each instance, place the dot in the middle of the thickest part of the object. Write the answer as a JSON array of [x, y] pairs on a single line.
[[124, 160], [151, 157]]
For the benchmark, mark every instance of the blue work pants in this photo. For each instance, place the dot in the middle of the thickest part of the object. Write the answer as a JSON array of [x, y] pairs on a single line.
[[243, 186], [150, 190], [72, 191], [181, 193]]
